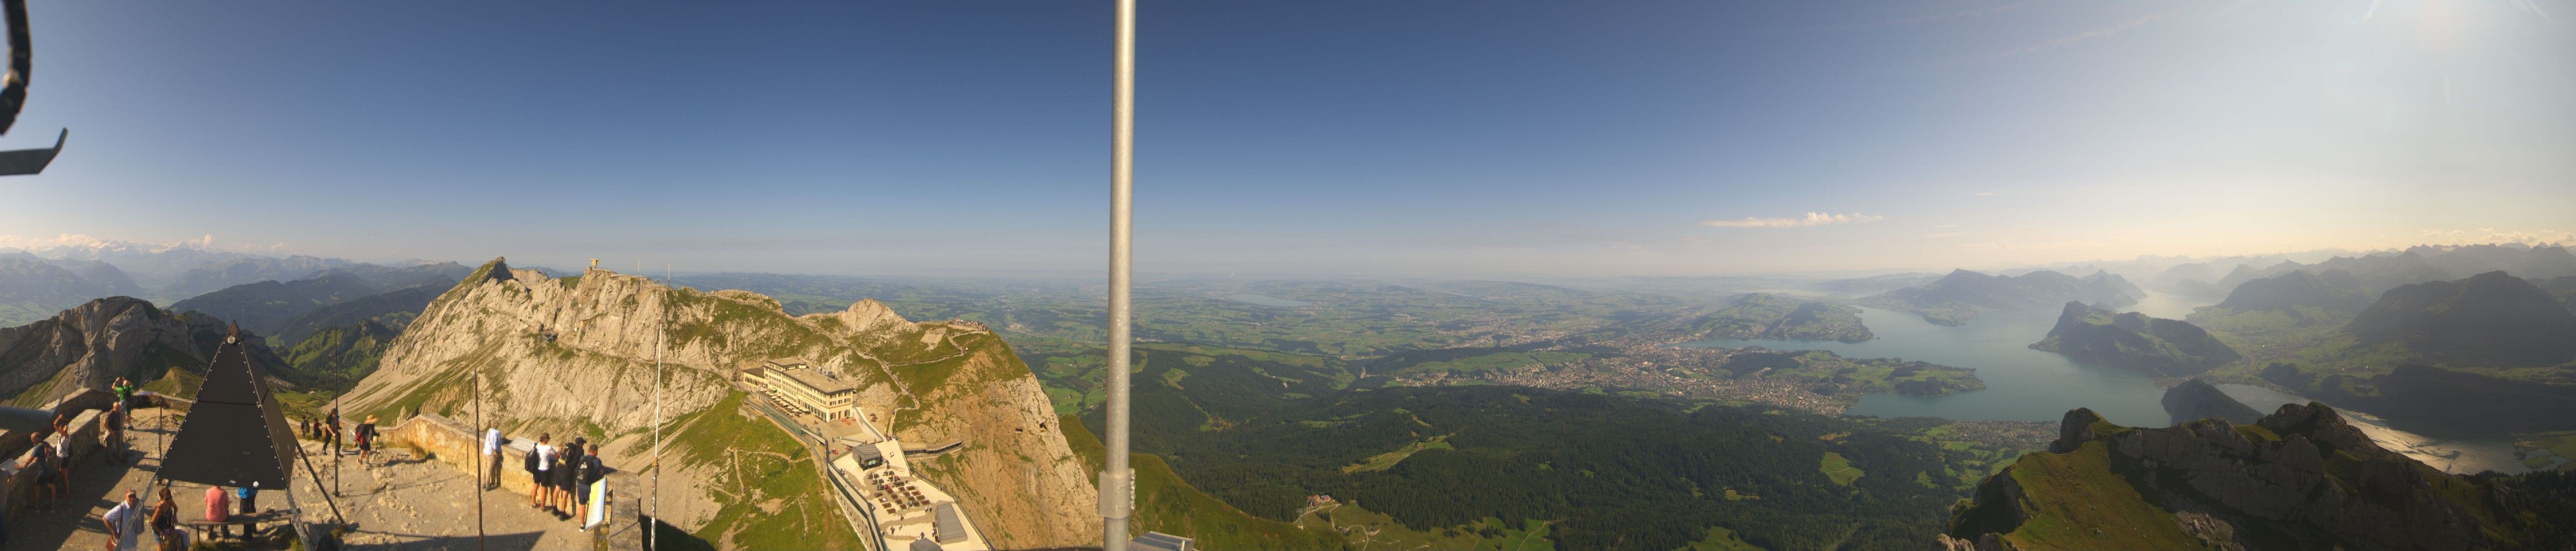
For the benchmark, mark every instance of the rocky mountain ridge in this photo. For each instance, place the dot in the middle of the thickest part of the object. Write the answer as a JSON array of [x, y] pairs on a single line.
[[577, 355], [90, 345], [2300, 478]]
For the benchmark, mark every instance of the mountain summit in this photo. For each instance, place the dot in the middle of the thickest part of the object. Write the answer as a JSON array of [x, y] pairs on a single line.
[[577, 356], [2491, 319], [2300, 478]]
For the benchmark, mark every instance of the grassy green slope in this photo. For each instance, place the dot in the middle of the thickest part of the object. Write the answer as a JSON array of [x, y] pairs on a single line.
[[2074, 501], [783, 502], [1167, 504]]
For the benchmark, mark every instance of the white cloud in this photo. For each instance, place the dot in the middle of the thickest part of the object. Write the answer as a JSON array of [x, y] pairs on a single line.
[[1811, 219], [2486, 235], [81, 241], [64, 240]]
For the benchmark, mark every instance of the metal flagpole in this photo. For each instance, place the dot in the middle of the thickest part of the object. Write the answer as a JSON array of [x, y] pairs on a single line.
[[653, 532], [488, 444], [1117, 482]]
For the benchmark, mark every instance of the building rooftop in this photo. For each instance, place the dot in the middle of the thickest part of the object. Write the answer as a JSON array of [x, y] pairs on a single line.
[[951, 529], [1158, 541], [815, 379]]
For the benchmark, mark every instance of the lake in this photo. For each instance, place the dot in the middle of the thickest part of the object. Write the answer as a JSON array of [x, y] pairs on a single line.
[[2030, 385], [2021, 384], [2449, 450]]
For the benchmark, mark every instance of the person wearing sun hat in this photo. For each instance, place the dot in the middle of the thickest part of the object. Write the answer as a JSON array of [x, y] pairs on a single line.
[[366, 441]]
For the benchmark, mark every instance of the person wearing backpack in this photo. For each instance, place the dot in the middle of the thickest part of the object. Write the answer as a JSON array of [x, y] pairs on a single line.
[[591, 472], [41, 459]]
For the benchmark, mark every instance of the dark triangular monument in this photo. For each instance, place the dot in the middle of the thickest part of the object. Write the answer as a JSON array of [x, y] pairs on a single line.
[[235, 435]]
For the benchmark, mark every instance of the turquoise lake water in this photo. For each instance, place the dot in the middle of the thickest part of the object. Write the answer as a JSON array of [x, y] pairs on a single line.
[[2030, 385], [2021, 384]]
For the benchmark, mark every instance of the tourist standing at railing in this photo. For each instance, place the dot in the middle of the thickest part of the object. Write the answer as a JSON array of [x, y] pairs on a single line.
[[40, 459], [563, 476], [124, 396], [492, 454], [542, 462], [591, 471], [62, 441], [111, 429]]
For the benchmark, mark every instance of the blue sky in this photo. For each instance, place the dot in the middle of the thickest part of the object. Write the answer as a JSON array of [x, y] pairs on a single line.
[[1434, 138]]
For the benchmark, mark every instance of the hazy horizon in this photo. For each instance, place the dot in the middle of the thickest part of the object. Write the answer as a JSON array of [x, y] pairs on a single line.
[[1519, 139]]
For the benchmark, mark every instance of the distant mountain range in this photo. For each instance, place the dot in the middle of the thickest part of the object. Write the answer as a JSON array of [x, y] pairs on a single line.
[[2288, 301], [2133, 341], [2491, 319], [32, 288], [2376, 273], [1771, 316], [1864, 286], [90, 345], [1960, 296], [2491, 352], [36, 284], [269, 306], [2300, 478]]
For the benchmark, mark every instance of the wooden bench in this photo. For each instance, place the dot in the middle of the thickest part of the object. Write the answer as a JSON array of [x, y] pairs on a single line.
[[202, 528]]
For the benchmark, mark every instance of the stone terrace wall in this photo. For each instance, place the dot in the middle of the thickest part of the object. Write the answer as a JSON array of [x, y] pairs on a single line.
[[459, 446], [13, 443], [450, 442], [18, 484]]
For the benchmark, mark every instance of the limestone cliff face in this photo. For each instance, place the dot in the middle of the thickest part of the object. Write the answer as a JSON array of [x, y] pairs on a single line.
[[576, 355], [90, 345]]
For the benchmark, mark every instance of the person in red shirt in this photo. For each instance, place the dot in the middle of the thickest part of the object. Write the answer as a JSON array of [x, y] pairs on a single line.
[[219, 506]]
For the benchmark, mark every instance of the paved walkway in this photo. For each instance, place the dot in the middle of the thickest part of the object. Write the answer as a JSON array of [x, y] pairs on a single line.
[[409, 503], [404, 503], [96, 485]]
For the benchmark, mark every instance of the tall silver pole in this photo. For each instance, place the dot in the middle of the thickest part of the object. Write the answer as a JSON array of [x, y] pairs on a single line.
[[488, 442], [1117, 483], [651, 532]]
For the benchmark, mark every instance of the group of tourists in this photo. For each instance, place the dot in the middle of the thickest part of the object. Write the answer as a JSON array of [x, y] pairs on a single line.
[[564, 476], [127, 523], [52, 456], [328, 432]]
